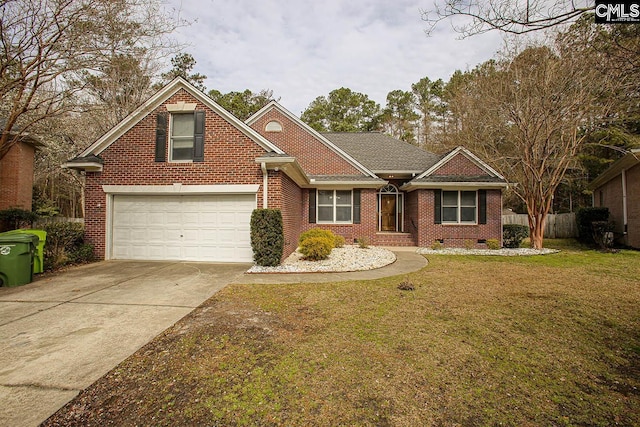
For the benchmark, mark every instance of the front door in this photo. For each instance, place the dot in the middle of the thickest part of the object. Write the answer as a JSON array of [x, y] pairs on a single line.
[[388, 212]]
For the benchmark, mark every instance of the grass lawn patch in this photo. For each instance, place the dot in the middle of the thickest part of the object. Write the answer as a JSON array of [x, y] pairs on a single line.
[[516, 341]]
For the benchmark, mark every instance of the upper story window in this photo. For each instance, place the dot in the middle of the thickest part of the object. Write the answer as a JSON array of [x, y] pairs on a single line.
[[181, 131], [459, 207], [273, 126], [334, 206], [182, 136]]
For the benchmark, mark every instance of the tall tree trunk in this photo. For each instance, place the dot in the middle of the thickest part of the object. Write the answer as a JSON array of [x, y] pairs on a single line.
[[536, 229]]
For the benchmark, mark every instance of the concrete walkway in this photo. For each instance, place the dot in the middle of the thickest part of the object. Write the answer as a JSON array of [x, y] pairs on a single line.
[[61, 333], [407, 261]]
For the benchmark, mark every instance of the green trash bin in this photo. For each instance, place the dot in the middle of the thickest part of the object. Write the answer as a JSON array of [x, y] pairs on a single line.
[[38, 259], [16, 258]]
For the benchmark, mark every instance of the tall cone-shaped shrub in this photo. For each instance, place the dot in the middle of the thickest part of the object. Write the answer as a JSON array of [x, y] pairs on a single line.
[[267, 237]]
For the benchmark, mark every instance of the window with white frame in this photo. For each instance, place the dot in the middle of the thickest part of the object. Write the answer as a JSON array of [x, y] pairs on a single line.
[[459, 207], [182, 136], [334, 206]]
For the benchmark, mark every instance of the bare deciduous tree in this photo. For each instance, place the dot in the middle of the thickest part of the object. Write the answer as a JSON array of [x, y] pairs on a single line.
[[529, 115], [510, 16], [44, 44]]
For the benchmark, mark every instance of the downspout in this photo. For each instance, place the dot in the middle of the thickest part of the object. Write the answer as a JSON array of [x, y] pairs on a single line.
[[624, 200], [265, 180]]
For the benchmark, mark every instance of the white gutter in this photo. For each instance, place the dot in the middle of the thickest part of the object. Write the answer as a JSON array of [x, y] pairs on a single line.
[[265, 181], [624, 200]]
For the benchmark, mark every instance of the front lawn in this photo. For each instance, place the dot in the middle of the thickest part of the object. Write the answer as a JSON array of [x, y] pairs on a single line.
[[516, 341]]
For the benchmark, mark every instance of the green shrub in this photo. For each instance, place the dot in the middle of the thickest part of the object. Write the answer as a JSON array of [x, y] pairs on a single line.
[[267, 237], [81, 254], [493, 244], [602, 234], [14, 218], [436, 245], [316, 248], [585, 217], [338, 241], [514, 234], [363, 242], [317, 232], [469, 244], [63, 239]]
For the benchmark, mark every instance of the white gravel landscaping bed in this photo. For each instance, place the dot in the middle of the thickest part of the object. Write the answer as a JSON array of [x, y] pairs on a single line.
[[347, 258], [494, 252]]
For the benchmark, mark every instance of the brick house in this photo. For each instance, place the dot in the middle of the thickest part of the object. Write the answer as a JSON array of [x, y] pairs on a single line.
[[179, 177], [16, 174], [618, 188]]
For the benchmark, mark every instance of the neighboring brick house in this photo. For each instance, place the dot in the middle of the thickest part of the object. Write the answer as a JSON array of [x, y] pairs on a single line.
[[16, 174], [618, 188], [180, 176]]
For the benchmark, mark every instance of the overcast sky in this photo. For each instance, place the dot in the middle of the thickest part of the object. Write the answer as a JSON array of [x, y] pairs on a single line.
[[303, 49]]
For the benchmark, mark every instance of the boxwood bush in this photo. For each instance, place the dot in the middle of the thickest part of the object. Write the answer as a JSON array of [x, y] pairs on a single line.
[[267, 237], [316, 248], [317, 232], [513, 235], [585, 217], [493, 244]]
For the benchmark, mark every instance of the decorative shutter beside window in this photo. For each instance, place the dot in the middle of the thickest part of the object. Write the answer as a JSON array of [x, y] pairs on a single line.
[[482, 206], [356, 206], [312, 206], [198, 142], [161, 137], [437, 207]]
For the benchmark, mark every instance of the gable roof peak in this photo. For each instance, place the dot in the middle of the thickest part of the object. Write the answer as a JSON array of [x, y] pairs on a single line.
[[158, 99], [314, 133], [469, 155]]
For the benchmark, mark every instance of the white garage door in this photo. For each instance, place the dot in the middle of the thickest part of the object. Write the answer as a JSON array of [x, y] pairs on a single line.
[[186, 228]]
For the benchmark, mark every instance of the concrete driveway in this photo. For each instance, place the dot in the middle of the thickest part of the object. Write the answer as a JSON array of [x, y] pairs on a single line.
[[61, 333]]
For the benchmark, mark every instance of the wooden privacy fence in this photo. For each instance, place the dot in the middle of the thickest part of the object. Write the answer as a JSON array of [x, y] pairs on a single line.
[[43, 221], [557, 226]]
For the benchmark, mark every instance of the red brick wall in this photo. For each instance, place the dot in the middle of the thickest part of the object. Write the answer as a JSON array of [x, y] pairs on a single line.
[[610, 196], [368, 218], [459, 165], [16, 177], [422, 204], [314, 157], [633, 206], [229, 159], [419, 222], [292, 216], [412, 220]]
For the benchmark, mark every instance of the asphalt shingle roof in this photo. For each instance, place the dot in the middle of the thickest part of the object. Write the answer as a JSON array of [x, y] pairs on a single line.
[[380, 152], [90, 158], [460, 178]]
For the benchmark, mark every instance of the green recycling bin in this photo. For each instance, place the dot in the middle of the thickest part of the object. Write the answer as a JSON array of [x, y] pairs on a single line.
[[38, 259], [16, 258]]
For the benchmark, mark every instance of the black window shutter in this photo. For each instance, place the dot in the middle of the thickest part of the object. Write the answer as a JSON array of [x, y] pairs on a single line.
[[482, 206], [312, 206], [198, 143], [437, 207], [161, 137], [356, 206]]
